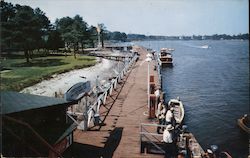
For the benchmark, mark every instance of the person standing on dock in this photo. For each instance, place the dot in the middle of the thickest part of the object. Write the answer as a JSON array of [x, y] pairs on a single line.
[[168, 141], [160, 114], [169, 116]]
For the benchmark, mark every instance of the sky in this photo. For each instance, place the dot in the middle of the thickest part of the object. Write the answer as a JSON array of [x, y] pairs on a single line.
[[153, 17]]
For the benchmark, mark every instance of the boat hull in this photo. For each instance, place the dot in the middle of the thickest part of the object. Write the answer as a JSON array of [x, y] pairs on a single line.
[[243, 126], [77, 91], [163, 64], [178, 110]]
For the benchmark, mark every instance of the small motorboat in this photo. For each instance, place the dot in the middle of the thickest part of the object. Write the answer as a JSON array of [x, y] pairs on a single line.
[[205, 46], [244, 123], [178, 109]]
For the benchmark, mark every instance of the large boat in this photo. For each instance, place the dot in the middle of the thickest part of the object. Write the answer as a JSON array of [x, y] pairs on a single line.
[[166, 57], [178, 109], [244, 123]]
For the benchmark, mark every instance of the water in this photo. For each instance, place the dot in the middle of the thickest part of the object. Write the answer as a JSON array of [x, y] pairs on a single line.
[[213, 84]]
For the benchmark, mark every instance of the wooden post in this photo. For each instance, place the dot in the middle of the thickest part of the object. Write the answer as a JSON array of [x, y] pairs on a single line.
[[152, 106]]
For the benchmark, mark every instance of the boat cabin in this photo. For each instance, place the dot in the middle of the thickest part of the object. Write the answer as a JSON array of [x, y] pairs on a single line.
[[166, 57]]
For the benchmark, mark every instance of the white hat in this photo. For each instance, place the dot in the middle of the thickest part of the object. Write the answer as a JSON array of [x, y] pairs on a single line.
[[169, 127], [209, 151]]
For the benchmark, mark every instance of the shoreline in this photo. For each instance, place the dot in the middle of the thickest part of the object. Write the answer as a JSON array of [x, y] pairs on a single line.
[[60, 83]]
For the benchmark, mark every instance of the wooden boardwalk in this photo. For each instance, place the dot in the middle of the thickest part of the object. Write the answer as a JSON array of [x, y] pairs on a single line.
[[111, 57], [126, 108]]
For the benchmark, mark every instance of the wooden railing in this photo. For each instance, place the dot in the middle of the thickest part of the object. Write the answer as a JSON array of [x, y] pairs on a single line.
[[94, 108]]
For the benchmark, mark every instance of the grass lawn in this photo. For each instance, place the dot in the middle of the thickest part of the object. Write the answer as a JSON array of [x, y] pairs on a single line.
[[16, 74]]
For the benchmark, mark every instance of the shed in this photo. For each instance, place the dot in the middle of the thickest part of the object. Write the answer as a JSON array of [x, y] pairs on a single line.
[[34, 125]]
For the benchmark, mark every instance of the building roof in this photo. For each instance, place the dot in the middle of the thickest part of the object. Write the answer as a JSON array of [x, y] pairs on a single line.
[[12, 102], [69, 130]]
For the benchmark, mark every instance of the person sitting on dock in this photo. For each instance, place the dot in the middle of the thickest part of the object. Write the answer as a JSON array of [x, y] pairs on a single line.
[[168, 141], [161, 112]]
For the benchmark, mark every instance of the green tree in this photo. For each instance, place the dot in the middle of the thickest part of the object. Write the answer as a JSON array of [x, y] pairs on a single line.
[[25, 31], [92, 35], [118, 36], [7, 13], [81, 28], [22, 27], [63, 25], [54, 40], [44, 25], [73, 31]]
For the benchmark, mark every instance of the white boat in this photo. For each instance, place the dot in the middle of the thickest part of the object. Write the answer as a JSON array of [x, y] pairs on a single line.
[[166, 57], [171, 49], [205, 46], [77, 91], [178, 109], [244, 123]]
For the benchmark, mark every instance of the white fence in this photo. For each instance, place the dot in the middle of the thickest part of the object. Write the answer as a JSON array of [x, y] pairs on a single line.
[[93, 110]]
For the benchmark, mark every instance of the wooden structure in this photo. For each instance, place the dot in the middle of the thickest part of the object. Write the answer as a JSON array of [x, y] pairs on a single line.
[[121, 115], [34, 126], [112, 57], [151, 142], [153, 100], [93, 109], [119, 47]]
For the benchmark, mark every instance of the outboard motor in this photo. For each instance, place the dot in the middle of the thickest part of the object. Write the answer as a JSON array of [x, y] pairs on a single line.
[[184, 128], [215, 150]]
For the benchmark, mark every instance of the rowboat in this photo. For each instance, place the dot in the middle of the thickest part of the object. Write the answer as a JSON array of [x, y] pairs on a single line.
[[244, 123], [178, 109], [77, 91]]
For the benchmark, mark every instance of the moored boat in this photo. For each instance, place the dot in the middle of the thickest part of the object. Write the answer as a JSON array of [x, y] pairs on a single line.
[[244, 123], [178, 109], [188, 146], [205, 46], [166, 57], [77, 91]]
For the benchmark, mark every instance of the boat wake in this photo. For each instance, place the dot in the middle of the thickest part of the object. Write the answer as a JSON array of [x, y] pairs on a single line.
[[201, 47]]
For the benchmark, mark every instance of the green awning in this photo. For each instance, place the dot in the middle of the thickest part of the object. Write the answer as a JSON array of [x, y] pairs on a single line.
[[12, 102]]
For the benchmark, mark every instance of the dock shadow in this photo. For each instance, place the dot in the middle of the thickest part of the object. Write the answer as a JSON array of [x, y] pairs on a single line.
[[112, 142], [78, 150]]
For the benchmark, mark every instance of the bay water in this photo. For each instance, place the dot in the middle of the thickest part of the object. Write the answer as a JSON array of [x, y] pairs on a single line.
[[213, 83]]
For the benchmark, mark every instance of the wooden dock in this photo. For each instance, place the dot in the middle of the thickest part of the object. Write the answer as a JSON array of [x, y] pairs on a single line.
[[111, 57], [122, 114]]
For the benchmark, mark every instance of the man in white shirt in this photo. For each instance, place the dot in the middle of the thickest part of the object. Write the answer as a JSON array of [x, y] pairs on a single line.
[[160, 114], [169, 116], [167, 136], [157, 94], [168, 141]]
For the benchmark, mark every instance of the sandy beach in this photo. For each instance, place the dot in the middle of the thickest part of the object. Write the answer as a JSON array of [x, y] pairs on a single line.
[[60, 83]]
